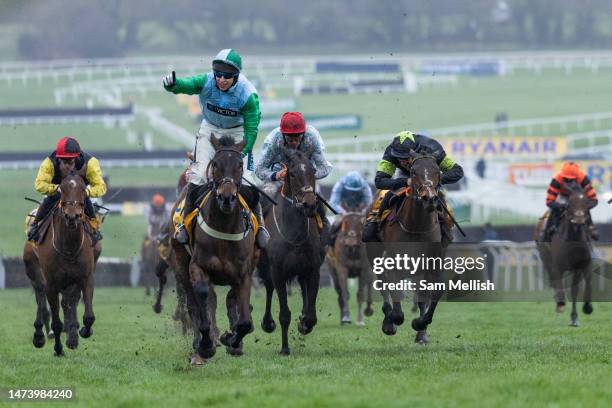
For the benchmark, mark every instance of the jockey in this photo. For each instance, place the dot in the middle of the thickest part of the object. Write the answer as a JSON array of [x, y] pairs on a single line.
[[157, 214], [293, 133], [351, 193], [397, 156], [556, 197], [230, 107], [66, 157]]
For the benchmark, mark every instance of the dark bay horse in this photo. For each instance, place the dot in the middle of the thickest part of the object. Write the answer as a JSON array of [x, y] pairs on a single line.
[[223, 253], [294, 248], [149, 254], [415, 225], [346, 259], [570, 251], [64, 262]]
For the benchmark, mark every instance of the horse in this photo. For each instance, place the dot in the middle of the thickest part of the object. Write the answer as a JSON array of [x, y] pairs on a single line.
[[346, 260], [569, 251], [223, 253], [149, 254], [63, 262], [416, 222], [294, 248]]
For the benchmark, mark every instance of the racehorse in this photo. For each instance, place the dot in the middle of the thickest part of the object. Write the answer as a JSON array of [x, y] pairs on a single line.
[[149, 255], [294, 248], [415, 225], [223, 253], [63, 262], [346, 260], [569, 250]]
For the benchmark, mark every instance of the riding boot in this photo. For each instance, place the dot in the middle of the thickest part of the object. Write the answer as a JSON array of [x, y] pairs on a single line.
[[263, 236], [593, 232], [181, 234], [380, 203], [370, 231], [333, 231], [446, 228], [43, 211], [324, 232]]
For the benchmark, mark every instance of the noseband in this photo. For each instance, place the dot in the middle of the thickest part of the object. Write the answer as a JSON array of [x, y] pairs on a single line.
[[225, 180]]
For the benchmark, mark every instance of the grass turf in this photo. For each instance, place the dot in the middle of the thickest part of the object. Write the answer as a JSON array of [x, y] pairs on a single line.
[[494, 354]]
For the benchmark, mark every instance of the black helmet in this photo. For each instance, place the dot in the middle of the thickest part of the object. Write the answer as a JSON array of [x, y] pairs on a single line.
[[401, 150]]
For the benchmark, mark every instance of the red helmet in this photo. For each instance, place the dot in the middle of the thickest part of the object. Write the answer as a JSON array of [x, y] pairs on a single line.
[[67, 148], [292, 123], [158, 200], [570, 170]]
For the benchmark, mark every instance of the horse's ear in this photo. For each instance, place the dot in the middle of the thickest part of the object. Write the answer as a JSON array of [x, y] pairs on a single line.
[[215, 142], [240, 146]]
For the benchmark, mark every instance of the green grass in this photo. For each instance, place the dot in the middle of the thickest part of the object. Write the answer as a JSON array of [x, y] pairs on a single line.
[[495, 354]]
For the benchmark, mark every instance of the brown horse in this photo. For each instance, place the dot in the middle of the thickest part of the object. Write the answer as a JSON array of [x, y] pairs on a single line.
[[347, 260], [569, 251], [415, 225], [149, 254], [64, 262], [294, 248], [223, 253]]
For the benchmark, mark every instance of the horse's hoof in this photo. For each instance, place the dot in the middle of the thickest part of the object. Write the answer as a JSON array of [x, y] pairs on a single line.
[[72, 342], [285, 351], [51, 335], [235, 351], [345, 320], [38, 340], [157, 308], [268, 326], [368, 311], [560, 308], [574, 323], [421, 338], [207, 352], [85, 332], [587, 308], [196, 360], [225, 339], [360, 323], [419, 325], [389, 328], [59, 351], [397, 318]]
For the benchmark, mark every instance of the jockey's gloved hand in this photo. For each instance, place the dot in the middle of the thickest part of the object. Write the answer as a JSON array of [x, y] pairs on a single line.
[[170, 80]]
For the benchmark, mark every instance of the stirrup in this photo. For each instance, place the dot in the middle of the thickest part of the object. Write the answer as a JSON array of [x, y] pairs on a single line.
[[262, 237], [181, 234]]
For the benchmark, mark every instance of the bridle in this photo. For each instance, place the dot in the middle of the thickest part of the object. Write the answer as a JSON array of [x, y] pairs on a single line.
[[416, 194], [225, 180], [296, 199]]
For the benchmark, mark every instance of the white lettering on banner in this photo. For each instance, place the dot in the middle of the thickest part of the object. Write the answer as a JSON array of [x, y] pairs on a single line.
[[506, 146]]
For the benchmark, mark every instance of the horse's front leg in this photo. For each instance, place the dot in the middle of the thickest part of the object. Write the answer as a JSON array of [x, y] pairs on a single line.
[[56, 322], [70, 300], [201, 290], [245, 322], [88, 316], [284, 314], [576, 277], [309, 320], [587, 307], [421, 322], [160, 272]]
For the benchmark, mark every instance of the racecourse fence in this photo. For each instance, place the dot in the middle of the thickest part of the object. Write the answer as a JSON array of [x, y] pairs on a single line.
[[289, 66]]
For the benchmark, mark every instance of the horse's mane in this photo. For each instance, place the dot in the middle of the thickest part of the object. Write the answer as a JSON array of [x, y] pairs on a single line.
[[226, 141]]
